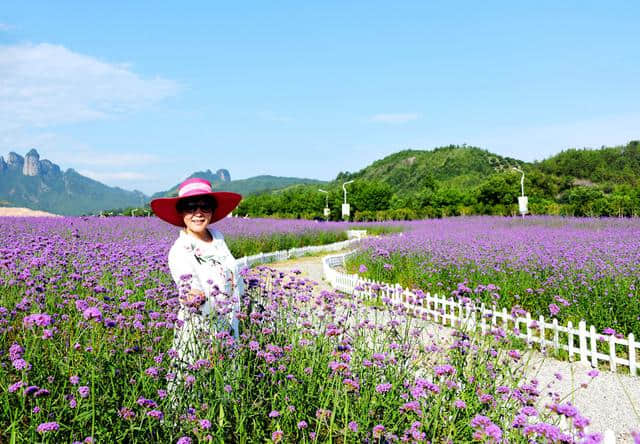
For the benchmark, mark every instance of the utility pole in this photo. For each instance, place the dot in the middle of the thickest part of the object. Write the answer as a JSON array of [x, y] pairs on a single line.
[[346, 209], [327, 211], [522, 200]]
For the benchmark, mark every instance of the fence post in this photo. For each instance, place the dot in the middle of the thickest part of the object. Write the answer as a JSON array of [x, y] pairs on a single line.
[[582, 337], [483, 322], [543, 341], [612, 353], [570, 339], [594, 346], [632, 355], [528, 322], [556, 339]]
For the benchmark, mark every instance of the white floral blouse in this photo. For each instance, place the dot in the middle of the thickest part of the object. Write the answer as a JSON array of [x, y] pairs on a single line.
[[206, 266]]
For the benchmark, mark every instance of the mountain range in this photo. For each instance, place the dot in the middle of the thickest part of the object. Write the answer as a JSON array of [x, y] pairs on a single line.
[[40, 184], [449, 173]]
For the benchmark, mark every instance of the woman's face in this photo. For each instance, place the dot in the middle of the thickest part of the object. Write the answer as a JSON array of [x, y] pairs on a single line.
[[197, 215]]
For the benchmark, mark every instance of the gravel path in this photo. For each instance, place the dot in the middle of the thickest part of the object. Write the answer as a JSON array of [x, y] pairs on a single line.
[[611, 400]]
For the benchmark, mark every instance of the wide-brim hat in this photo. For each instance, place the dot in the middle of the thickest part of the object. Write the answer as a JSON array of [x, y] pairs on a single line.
[[166, 207]]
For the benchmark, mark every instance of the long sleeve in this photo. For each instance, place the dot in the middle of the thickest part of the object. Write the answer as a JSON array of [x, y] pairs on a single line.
[[182, 269]]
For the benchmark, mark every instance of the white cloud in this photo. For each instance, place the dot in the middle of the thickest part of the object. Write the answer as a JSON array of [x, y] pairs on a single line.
[[44, 85], [395, 118]]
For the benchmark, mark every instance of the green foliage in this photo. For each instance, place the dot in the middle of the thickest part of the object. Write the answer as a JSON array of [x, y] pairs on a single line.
[[463, 180]]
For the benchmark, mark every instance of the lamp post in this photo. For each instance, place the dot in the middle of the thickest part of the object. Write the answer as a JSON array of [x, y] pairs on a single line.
[[345, 206], [522, 200], [133, 212], [326, 203]]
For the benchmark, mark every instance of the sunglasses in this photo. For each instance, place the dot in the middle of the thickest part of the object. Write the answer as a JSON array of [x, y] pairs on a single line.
[[192, 207]]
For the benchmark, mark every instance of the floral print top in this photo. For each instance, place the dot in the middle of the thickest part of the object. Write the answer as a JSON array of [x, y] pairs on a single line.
[[205, 266]]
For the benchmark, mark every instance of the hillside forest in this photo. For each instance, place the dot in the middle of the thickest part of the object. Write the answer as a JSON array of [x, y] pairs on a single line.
[[463, 180]]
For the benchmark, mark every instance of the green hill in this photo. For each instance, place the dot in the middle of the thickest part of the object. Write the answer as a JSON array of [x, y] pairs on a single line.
[[462, 180], [258, 184], [451, 165], [615, 165]]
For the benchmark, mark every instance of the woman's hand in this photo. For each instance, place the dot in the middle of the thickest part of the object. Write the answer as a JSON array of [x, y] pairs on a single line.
[[195, 298]]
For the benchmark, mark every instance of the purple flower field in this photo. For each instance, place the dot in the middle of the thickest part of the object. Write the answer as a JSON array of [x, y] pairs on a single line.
[[567, 268], [87, 318]]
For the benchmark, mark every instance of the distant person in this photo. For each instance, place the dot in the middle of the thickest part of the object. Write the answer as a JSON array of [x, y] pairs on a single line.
[[205, 272]]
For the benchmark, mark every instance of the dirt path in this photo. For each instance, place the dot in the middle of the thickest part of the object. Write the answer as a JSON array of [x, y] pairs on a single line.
[[611, 400], [24, 212]]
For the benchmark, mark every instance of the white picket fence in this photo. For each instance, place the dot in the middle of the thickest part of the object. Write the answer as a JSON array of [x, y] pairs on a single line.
[[455, 314], [282, 255], [585, 343]]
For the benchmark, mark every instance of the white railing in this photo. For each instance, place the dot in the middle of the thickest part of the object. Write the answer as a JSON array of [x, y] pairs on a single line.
[[455, 313], [283, 255], [586, 343]]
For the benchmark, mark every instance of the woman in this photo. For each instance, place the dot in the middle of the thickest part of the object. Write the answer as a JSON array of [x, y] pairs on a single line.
[[205, 272]]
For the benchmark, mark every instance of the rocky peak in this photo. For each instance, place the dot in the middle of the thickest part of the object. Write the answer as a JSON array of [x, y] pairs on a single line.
[[3, 164], [48, 168], [15, 160], [31, 163], [223, 175]]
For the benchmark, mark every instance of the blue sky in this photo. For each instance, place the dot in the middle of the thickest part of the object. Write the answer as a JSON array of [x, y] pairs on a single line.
[[141, 94]]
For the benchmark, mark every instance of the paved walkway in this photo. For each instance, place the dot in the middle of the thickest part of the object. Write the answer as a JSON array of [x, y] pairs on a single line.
[[611, 400]]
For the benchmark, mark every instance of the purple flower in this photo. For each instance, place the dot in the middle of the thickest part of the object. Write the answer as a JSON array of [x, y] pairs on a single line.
[[74, 379], [277, 436], [554, 309], [126, 413], [378, 430], [157, 414], [92, 313], [84, 391], [353, 426], [48, 427], [14, 387], [302, 425], [15, 351], [184, 440], [39, 319], [363, 268], [460, 404], [383, 388], [205, 424], [21, 364], [274, 414], [31, 390]]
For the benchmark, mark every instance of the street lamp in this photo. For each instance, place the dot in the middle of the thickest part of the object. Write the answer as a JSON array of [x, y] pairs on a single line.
[[326, 203], [133, 212], [522, 200], [345, 205]]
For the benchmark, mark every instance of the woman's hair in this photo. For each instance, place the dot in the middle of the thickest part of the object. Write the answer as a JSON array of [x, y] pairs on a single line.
[[181, 204]]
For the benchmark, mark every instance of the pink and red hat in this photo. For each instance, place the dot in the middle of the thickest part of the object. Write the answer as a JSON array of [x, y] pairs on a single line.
[[165, 207]]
